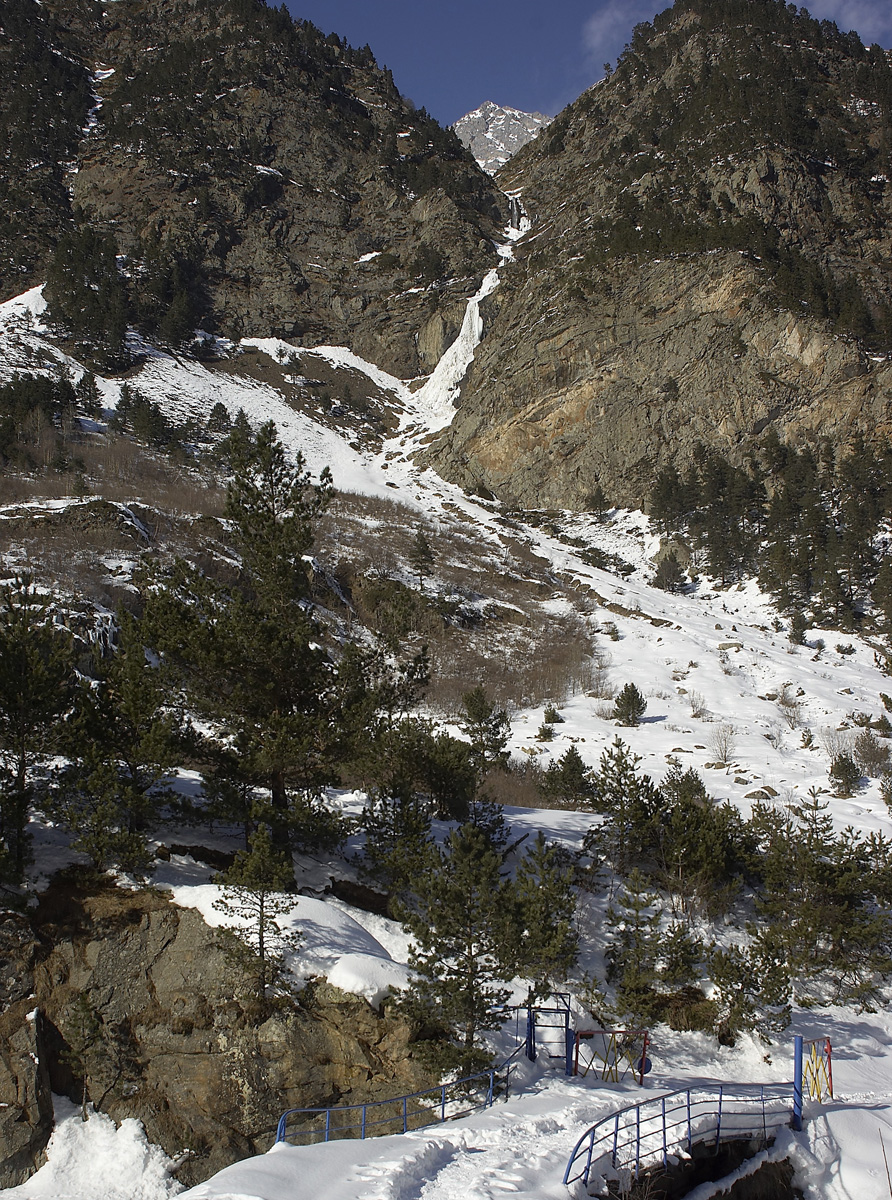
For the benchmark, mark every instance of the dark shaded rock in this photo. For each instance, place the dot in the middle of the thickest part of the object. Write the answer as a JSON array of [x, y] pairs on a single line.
[[312, 199], [26, 1105]]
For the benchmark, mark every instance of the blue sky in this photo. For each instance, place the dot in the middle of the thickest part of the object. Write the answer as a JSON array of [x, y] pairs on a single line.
[[537, 55]]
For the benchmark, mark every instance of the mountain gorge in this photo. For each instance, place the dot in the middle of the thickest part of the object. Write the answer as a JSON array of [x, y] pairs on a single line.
[[709, 256], [234, 258]]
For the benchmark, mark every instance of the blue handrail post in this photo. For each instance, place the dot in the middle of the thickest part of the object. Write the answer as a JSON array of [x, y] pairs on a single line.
[[665, 1150], [362, 1131], [588, 1160], [718, 1121], [637, 1138], [764, 1126], [327, 1123], [531, 1034], [491, 1090], [797, 1083], [443, 1103], [280, 1129], [570, 1047], [405, 1113], [615, 1140], [690, 1135]]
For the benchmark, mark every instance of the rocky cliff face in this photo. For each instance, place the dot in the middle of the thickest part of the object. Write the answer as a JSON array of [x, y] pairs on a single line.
[[709, 255], [281, 170], [179, 1045], [494, 134]]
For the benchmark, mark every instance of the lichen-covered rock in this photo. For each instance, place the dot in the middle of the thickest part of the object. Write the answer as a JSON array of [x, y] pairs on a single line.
[[181, 1045]]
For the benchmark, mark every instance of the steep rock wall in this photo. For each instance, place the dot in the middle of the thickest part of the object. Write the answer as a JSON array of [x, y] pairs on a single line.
[[181, 1046]]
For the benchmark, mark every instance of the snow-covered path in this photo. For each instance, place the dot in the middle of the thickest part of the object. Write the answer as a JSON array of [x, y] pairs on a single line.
[[520, 1148]]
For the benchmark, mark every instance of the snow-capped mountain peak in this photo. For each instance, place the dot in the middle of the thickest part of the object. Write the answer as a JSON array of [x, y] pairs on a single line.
[[493, 132]]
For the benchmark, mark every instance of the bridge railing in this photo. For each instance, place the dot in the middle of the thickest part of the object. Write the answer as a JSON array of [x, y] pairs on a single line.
[[619, 1146], [445, 1102]]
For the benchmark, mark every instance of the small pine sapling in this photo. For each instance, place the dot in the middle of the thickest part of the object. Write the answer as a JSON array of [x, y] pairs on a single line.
[[569, 781], [844, 775], [669, 575], [83, 1038], [870, 754], [629, 706], [253, 899], [487, 728], [421, 558]]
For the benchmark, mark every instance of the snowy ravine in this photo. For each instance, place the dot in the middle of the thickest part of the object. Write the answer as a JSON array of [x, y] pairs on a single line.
[[705, 659]]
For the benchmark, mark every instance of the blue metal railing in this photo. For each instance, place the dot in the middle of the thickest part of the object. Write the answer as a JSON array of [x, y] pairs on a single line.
[[445, 1102], [618, 1146]]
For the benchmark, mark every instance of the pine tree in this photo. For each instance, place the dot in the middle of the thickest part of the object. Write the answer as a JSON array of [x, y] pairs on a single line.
[[88, 395], [629, 706], [396, 818], [421, 558], [487, 728], [596, 501], [36, 686], [248, 653], [274, 505], [669, 576], [542, 891], [631, 805], [703, 846], [122, 744], [462, 937], [633, 947], [86, 292], [569, 781], [448, 777], [253, 898]]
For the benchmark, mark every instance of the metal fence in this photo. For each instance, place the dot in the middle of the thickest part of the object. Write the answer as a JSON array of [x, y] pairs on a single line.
[[651, 1133], [446, 1102]]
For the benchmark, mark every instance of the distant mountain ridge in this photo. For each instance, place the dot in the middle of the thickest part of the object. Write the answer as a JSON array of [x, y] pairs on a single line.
[[494, 133]]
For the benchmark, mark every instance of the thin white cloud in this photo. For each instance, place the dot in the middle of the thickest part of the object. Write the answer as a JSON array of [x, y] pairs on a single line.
[[871, 19], [609, 28]]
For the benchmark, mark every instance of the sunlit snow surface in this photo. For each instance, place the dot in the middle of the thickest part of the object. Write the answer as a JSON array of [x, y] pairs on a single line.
[[98, 1161], [670, 647]]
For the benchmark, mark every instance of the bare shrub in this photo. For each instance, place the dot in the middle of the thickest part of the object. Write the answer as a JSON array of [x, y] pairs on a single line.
[[697, 703], [602, 687], [520, 785], [546, 659], [722, 741], [789, 706], [836, 743]]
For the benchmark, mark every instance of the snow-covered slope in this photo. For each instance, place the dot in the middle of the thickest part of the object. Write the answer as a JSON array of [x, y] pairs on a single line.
[[494, 133], [709, 661]]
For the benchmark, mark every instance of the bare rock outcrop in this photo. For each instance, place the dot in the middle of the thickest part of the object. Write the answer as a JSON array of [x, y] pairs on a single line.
[[708, 257], [181, 1045]]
